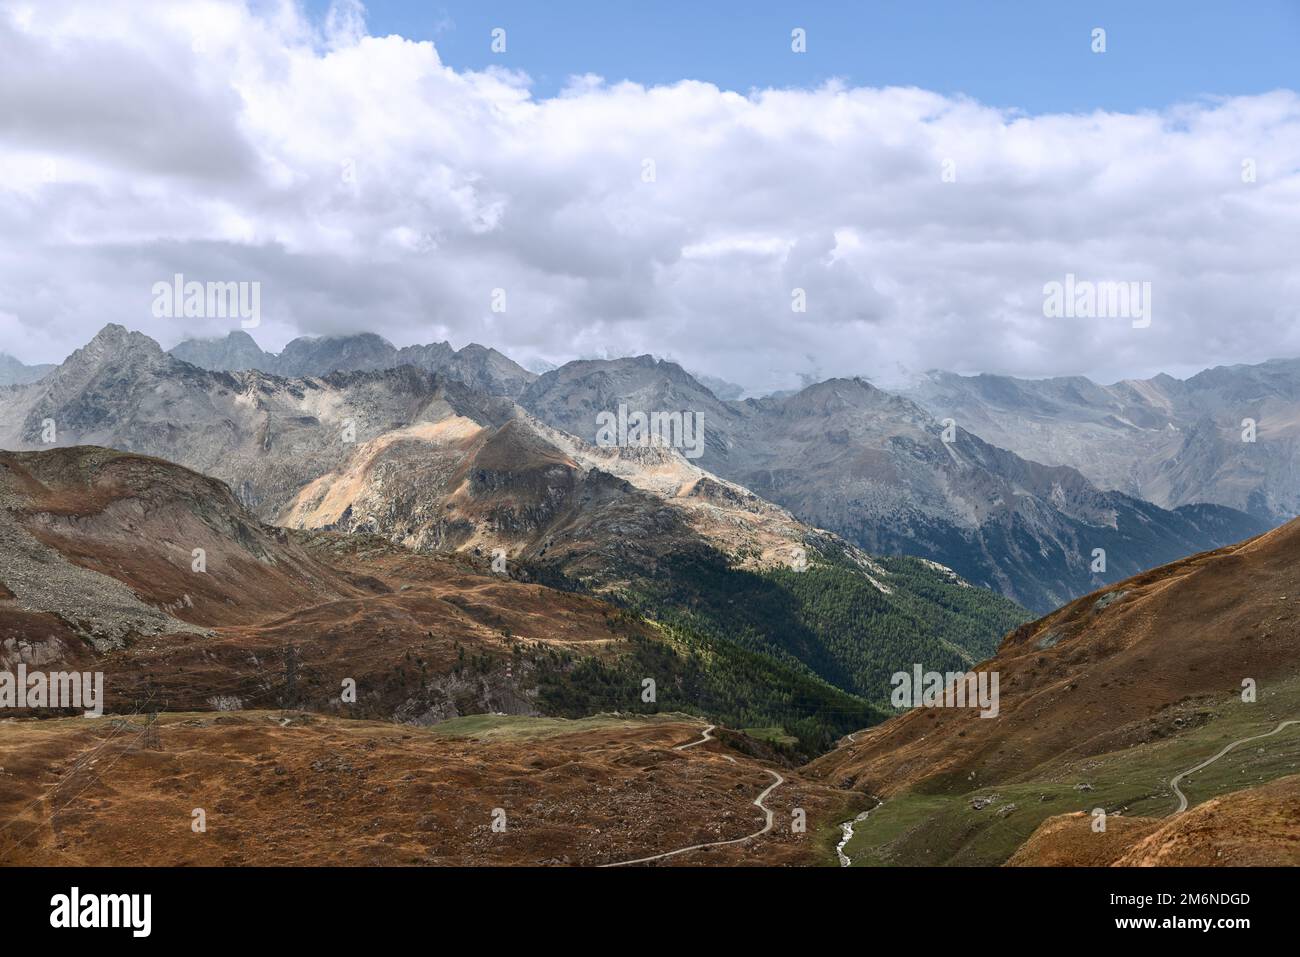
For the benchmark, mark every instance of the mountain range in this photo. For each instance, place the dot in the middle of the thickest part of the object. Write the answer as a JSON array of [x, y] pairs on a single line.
[[450, 537], [476, 366], [1229, 435], [880, 471], [883, 470], [840, 496]]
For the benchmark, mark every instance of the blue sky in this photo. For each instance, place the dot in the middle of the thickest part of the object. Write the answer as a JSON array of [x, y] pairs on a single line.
[[1031, 54]]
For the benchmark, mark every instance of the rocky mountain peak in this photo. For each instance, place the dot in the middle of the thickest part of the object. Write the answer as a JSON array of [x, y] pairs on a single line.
[[234, 352], [321, 355], [114, 340], [113, 345]]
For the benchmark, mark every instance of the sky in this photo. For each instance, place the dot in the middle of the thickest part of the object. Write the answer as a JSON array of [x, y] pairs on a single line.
[[619, 179], [1020, 54]]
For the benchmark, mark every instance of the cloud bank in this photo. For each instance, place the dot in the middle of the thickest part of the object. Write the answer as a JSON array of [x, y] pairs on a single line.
[[368, 186]]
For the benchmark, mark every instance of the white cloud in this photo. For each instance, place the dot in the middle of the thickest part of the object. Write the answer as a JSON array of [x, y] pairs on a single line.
[[368, 186]]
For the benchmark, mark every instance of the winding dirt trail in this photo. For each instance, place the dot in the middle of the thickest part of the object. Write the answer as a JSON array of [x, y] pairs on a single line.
[[707, 736], [1173, 783], [757, 802]]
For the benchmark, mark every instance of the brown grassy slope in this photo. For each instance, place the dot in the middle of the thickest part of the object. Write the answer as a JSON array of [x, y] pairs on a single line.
[[307, 789], [326, 607], [1255, 827], [1096, 675], [139, 520], [1068, 840], [436, 617]]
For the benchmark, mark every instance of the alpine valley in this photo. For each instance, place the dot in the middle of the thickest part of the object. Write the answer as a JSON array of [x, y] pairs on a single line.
[[416, 586]]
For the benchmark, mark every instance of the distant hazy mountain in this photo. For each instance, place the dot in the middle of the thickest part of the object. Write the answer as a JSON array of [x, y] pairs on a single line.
[[13, 372], [475, 365], [719, 387], [1169, 441], [236, 351], [311, 355], [874, 467]]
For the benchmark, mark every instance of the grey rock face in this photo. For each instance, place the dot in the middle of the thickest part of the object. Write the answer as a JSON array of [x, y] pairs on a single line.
[[264, 435], [477, 366], [1169, 441], [321, 356], [236, 352]]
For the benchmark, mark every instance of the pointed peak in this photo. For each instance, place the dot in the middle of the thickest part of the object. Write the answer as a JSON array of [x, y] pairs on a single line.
[[114, 345], [115, 339], [112, 332]]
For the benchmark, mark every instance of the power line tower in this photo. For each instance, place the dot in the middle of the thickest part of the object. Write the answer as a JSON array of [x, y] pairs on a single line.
[[149, 737]]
